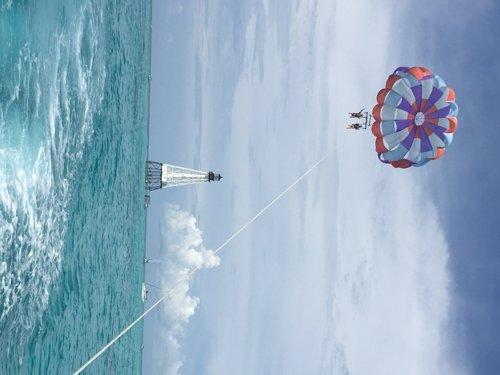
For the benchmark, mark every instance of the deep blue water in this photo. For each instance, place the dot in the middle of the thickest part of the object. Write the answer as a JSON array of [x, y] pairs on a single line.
[[73, 144]]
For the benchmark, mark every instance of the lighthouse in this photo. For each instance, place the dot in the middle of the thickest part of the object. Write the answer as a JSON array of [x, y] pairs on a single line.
[[162, 175]]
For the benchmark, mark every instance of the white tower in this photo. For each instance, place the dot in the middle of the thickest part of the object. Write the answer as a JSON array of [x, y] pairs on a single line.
[[161, 175]]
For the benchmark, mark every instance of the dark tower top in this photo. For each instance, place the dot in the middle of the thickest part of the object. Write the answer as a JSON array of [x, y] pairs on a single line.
[[214, 177]]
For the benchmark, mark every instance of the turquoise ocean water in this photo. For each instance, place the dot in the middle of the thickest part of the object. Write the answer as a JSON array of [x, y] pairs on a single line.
[[73, 143]]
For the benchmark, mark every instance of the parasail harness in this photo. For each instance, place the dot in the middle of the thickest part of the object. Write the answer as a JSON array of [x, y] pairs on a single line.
[[365, 117]]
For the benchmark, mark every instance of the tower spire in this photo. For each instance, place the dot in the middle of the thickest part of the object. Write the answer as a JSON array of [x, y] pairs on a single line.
[[162, 175]]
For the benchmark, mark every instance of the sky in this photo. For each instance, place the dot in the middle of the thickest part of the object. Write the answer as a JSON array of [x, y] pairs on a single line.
[[361, 268]]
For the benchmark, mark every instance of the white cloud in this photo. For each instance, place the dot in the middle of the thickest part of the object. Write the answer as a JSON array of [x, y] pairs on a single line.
[[375, 301], [391, 292], [182, 244]]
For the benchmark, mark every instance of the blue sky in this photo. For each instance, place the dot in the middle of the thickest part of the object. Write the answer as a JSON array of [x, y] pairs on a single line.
[[360, 262]]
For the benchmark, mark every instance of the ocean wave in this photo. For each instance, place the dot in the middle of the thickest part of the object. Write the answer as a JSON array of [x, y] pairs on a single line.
[[46, 121]]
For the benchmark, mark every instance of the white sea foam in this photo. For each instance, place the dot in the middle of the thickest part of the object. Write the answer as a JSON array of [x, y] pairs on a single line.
[[31, 239], [37, 168]]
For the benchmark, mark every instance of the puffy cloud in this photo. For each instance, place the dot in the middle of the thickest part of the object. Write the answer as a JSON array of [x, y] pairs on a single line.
[[182, 244]]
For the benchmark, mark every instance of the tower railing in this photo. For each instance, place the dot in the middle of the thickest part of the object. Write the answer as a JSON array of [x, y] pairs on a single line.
[[153, 175]]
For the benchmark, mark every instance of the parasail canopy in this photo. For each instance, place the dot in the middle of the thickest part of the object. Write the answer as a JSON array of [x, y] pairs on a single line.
[[415, 118]]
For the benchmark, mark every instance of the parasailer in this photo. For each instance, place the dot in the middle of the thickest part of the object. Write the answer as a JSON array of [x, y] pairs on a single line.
[[357, 114], [415, 118], [364, 117], [354, 126]]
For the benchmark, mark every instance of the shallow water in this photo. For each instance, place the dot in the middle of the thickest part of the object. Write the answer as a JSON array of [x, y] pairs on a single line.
[[73, 143]]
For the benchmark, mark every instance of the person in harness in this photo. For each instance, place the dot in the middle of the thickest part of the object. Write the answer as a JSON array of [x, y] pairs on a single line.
[[354, 126], [357, 114]]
